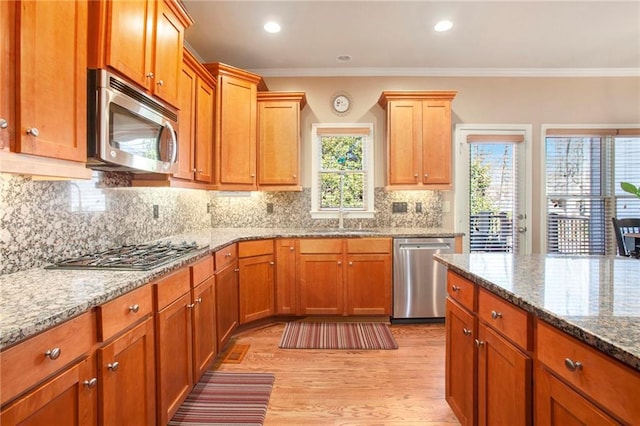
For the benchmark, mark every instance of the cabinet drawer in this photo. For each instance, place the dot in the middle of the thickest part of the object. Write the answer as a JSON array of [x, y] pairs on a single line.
[[607, 382], [201, 270], [319, 245], [503, 316], [255, 248], [171, 287], [461, 290], [121, 312], [26, 364], [369, 245], [226, 256]]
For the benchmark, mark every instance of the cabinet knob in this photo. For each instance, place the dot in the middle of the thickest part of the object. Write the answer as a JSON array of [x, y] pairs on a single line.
[[572, 365], [339, 262], [426, 175], [294, 176], [134, 308], [4, 124], [91, 383], [415, 176], [236, 270], [228, 254], [253, 175], [113, 366], [466, 331], [350, 263], [33, 132], [479, 343], [150, 75], [190, 305], [291, 249], [198, 300], [496, 315], [455, 288], [272, 263], [194, 170], [160, 83], [53, 353]]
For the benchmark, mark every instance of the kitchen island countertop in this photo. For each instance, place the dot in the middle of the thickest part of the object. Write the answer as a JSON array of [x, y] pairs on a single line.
[[593, 298], [34, 300]]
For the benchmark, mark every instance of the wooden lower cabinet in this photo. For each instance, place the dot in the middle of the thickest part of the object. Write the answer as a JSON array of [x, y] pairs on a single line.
[[126, 378], [226, 303], [204, 327], [257, 290], [369, 284], [69, 399], [504, 381], [558, 404], [321, 284], [460, 362], [286, 289]]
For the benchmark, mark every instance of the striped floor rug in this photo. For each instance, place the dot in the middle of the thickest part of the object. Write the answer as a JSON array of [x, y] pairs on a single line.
[[222, 398], [342, 335]]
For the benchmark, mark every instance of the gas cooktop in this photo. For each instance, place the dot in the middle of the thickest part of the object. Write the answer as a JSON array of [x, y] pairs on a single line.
[[137, 257]]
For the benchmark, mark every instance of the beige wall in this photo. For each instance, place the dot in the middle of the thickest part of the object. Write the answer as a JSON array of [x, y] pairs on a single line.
[[499, 100]]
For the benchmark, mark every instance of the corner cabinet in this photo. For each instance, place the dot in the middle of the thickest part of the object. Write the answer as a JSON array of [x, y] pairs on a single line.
[[235, 127], [227, 298], [43, 88], [149, 54], [279, 140], [418, 138]]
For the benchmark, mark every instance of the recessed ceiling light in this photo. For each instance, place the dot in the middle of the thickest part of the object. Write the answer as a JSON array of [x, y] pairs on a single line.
[[444, 25], [344, 58], [272, 27]]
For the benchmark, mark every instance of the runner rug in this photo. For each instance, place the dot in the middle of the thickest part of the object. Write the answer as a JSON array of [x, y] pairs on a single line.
[[341, 335], [222, 398]]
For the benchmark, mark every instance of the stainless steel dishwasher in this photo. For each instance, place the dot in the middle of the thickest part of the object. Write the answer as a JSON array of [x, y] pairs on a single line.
[[419, 282]]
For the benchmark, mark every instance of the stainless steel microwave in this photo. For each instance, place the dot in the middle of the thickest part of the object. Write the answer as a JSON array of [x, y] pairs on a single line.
[[127, 130]]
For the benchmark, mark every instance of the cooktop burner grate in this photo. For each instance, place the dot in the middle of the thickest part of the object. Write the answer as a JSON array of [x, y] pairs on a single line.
[[137, 257]]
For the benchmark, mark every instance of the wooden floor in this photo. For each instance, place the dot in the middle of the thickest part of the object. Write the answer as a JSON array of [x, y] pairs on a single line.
[[331, 387]]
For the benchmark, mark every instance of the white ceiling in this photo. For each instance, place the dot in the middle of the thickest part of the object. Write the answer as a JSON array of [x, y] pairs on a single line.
[[396, 38]]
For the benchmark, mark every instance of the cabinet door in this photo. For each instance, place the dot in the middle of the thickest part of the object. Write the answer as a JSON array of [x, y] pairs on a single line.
[[205, 99], [557, 404], [369, 284], [460, 384], [404, 130], [126, 377], [204, 327], [504, 381], [7, 74], [256, 287], [173, 356], [226, 303], [321, 284], [436, 142], [52, 79], [169, 33], [70, 398], [186, 122], [126, 44], [237, 137], [286, 294], [278, 143]]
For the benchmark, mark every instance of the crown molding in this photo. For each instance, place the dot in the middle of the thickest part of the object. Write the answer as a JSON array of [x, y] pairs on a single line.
[[447, 72]]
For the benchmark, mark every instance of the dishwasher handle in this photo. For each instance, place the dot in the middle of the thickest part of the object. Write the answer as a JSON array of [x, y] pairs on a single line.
[[426, 246]]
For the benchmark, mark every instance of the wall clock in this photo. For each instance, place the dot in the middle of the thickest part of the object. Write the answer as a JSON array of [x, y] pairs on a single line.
[[341, 103]]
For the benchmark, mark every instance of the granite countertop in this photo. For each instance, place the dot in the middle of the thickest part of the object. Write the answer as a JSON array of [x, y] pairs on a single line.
[[32, 301], [593, 298]]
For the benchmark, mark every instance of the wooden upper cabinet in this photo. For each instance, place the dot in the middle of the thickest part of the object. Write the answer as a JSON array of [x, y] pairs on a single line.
[[418, 138], [195, 131], [279, 140], [235, 127], [142, 40], [50, 79]]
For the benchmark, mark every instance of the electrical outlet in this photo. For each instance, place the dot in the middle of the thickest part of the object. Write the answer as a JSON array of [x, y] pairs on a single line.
[[209, 206], [399, 207], [269, 207], [156, 211], [418, 207]]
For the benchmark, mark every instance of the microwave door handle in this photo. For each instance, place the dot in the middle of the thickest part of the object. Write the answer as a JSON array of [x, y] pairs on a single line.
[[174, 142]]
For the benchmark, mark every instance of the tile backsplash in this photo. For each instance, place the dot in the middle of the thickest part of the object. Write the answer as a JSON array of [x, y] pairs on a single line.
[[42, 222]]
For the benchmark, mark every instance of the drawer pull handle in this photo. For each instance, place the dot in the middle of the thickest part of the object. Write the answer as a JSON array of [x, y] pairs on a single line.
[[134, 308], [33, 131], [91, 383], [53, 353], [572, 365], [114, 366], [479, 343], [496, 315], [228, 254], [466, 331]]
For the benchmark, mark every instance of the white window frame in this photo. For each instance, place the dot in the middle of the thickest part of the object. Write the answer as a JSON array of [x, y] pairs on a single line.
[[543, 166], [368, 212], [461, 212]]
